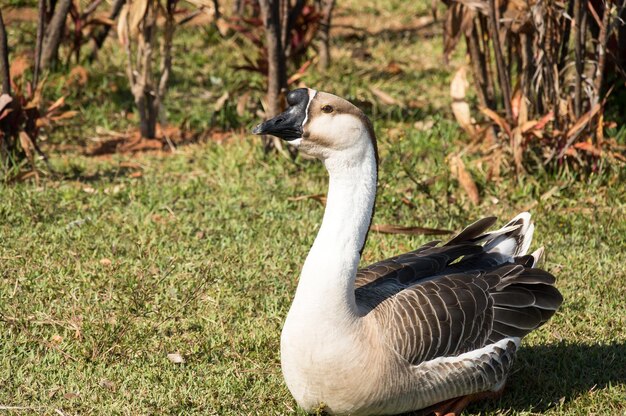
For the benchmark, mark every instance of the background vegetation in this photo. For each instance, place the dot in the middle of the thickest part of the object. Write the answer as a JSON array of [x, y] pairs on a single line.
[[141, 276]]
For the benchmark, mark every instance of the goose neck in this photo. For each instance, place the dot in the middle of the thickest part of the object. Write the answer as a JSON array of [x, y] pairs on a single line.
[[327, 279]]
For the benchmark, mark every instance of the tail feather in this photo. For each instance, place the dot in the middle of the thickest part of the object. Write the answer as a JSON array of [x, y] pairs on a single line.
[[524, 299], [512, 240]]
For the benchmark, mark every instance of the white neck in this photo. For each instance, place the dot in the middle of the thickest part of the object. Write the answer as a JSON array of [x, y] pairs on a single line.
[[325, 293]]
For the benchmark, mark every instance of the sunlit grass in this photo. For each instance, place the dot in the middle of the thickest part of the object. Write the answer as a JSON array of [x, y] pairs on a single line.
[[112, 264]]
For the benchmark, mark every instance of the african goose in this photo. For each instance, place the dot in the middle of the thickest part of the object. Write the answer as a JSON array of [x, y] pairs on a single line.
[[434, 328]]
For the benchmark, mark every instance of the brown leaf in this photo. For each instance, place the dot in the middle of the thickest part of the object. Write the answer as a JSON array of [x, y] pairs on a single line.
[[107, 384], [497, 119], [219, 104], [58, 103], [5, 100], [518, 150], [301, 72], [397, 229], [458, 20], [583, 120], [589, 148], [27, 146], [242, 102], [19, 65], [222, 26], [383, 96], [393, 68], [106, 262], [457, 167], [64, 116], [79, 75], [136, 13], [541, 123], [321, 198], [600, 130], [176, 358], [495, 162], [122, 26], [460, 107]]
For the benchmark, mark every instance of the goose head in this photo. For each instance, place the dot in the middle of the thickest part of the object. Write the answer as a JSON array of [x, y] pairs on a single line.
[[322, 125]]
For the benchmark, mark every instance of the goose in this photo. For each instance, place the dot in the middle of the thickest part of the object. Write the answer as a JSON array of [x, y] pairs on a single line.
[[432, 329]]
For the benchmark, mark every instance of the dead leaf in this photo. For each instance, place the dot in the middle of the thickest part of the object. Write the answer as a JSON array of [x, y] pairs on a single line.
[[56, 339], [458, 20], [106, 262], [383, 96], [242, 103], [424, 125], [5, 99], [219, 104], [107, 384], [78, 75], [27, 146], [517, 148], [222, 26], [19, 65], [64, 116], [393, 68], [135, 175], [516, 101], [122, 25], [301, 72], [176, 358], [58, 103], [541, 123], [457, 167], [589, 148], [70, 395], [497, 119], [460, 107], [583, 120], [495, 162], [397, 229], [136, 14], [321, 198]]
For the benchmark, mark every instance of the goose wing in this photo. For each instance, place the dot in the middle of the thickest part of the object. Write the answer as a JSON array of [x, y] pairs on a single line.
[[429, 304]]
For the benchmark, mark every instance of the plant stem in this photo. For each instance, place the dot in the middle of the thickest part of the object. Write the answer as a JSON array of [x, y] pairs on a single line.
[[578, 56], [502, 72], [603, 40], [41, 27], [5, 74]]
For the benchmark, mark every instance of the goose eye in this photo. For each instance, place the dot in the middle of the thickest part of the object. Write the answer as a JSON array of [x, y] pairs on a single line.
[[327, 109]]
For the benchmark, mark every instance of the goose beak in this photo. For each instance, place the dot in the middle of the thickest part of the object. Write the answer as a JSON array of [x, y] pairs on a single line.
[[287, 125]]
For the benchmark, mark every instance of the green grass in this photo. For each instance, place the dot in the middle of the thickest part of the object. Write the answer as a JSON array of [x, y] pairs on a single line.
[[103, 274]]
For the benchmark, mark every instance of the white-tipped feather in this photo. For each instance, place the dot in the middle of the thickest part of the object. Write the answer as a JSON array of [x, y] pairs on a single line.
[[537, 256], [513, 239]]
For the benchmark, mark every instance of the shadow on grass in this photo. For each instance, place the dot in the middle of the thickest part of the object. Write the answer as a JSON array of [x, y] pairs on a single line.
[[545, 376]]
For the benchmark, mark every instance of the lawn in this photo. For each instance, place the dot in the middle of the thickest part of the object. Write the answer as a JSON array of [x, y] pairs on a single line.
[[157, 283]]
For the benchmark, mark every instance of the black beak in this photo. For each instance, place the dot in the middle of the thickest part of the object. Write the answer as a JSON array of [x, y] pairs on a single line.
[[287, 125]]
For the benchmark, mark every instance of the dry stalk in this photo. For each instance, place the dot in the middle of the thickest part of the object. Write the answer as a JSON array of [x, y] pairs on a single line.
[[603, 40], [500, 65], [578, 13]]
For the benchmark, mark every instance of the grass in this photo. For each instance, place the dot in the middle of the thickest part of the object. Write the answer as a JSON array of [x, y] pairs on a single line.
[[112, 264]]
